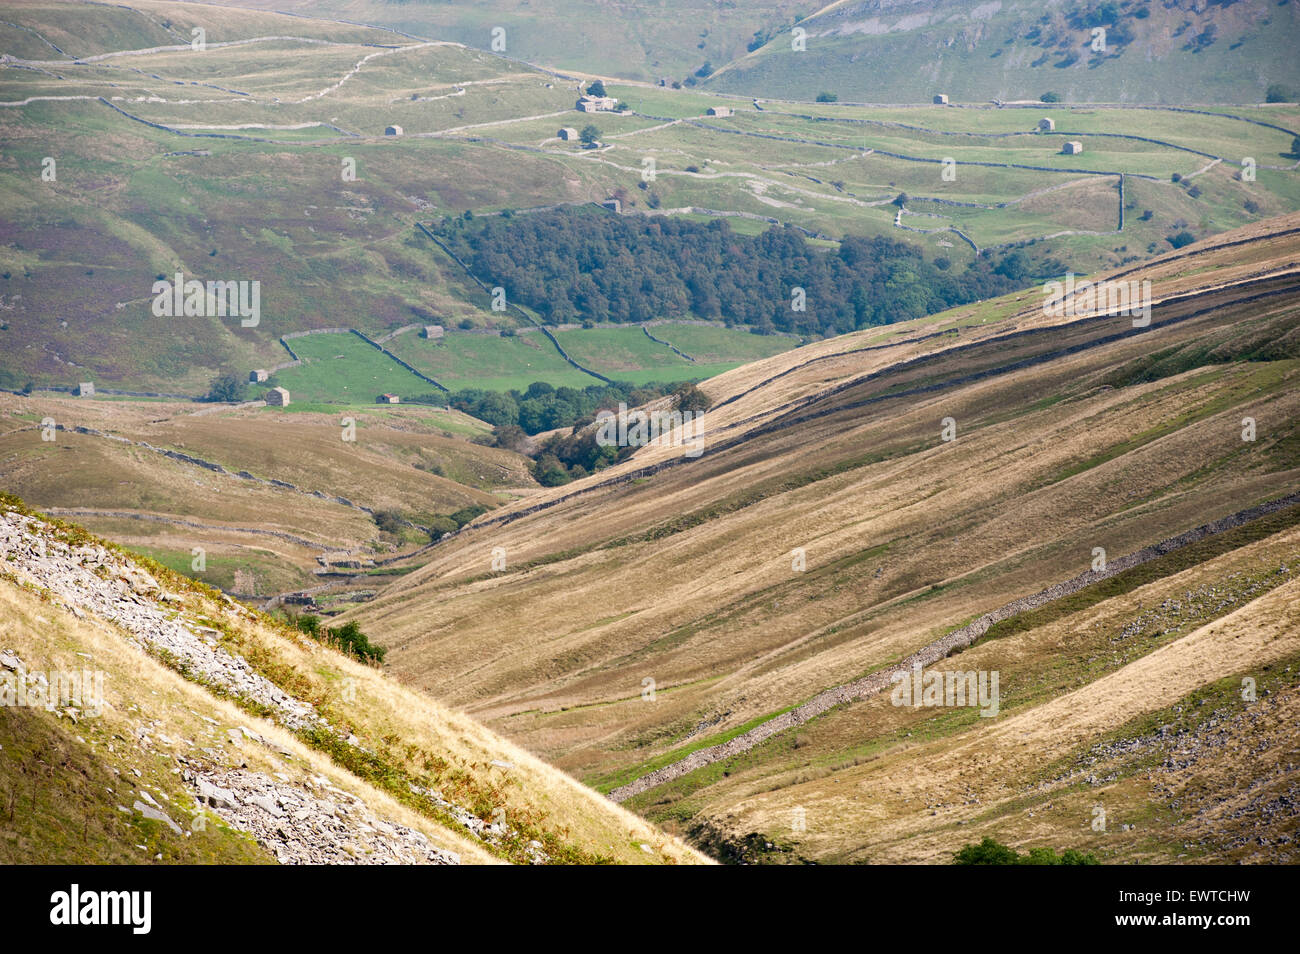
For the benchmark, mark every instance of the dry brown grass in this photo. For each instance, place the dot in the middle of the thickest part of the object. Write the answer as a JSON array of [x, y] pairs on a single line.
[[141, 692], [384, 715], [379, 470], [598, 595], [919, 800]]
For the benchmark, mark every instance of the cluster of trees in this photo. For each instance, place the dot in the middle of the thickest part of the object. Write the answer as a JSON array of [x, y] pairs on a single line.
[[565, 457], [516, 414], [231, 387], [581, 263], [347, 637], [227, 387], [439, 525], [443, 524], [561, 457], [1278, 93]]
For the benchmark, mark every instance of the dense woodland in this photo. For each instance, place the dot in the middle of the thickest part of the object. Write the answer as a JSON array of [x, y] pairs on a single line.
[[561, 457], [587, 264], [543, 407]]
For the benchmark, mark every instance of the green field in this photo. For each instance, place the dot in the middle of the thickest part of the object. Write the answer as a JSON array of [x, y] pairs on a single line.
[[495, 363], [344, 369], [271, 573], [709, 344], [626, 354], [491, 362]]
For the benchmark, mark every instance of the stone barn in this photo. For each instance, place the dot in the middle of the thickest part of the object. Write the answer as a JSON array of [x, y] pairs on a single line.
[[432, 332], [719, 111], [1047, 125], [941, 99], [257, 377], [568, 134], [393, 131], [1072, 148], [86, 389], [596, 104], [388, 399], [277, 397]]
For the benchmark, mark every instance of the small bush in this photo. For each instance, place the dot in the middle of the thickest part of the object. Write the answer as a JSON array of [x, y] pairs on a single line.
[[352, 641], [466, 514], [992, 852], [227, 387], [688, 397], [1277, 93], [389, 521], [440, 526]]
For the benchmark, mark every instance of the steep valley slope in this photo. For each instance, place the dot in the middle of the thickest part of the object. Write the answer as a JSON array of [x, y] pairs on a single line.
[[147, 718], [829, 530]]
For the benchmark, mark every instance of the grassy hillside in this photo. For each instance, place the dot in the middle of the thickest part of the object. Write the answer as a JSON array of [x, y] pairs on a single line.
[[222, 167], [386, 774], [1070, 435], [294, 496], [907, 52], [901, 52], [661, 38]]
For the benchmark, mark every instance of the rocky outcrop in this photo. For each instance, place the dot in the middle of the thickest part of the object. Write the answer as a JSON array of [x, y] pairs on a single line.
[[312, 824], [309, 822], [92, 579]]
